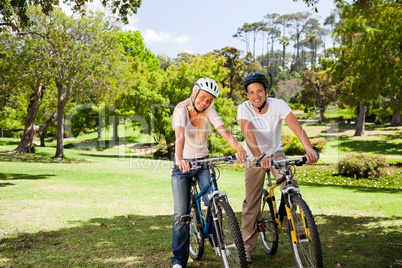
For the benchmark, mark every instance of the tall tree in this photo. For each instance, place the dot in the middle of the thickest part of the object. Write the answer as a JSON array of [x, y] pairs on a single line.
[[243, 34], [22, 72], [299, 22], [368, 60], [235, 66], [80, 55]]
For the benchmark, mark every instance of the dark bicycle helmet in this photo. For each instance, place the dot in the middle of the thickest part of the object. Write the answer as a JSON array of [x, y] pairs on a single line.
[[253, 78]]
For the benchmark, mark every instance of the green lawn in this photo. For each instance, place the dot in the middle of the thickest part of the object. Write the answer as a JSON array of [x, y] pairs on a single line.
[[103, 210], [101, 206]]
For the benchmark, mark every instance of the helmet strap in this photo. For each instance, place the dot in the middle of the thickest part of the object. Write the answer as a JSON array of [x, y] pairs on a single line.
[[262, 106], [193, 102]]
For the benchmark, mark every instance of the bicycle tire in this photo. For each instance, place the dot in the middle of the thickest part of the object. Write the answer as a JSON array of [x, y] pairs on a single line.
[[306, 253], [269, 235], [227, 230], [196, 235]]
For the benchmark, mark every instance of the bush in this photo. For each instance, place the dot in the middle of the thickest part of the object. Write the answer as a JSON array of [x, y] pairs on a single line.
[[360, 165], [294, 147], [319, 143], [218, 146]]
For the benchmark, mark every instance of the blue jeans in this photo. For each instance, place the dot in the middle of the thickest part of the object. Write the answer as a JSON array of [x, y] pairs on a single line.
[[181, 183]]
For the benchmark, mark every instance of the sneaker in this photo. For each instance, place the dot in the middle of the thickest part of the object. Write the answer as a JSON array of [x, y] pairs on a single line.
[[177, 266], [248, 256]]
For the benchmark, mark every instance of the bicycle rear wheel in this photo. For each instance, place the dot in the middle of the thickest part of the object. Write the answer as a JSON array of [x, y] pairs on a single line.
[[307, 251], [267, 232], [229, 237], [196, 236]]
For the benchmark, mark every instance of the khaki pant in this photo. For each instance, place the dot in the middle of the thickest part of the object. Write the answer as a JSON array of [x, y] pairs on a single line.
[[254, 182]]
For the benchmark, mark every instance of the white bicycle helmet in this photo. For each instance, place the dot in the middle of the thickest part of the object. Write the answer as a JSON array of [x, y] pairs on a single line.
[[209, 85]]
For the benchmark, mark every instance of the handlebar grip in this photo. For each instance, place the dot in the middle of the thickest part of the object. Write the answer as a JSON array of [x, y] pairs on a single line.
[[259, 159], [316, 150]]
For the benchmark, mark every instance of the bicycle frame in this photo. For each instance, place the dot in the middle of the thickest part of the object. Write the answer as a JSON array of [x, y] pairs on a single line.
[[214, 196], [287, 191]]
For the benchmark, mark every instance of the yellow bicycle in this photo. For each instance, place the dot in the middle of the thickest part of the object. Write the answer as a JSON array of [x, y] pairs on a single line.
[[300, 224]]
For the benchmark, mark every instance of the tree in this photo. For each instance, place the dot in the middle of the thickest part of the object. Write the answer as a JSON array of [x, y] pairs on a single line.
[[316, 86], [368, 60], [80, 55], [242, 33], [285, 42], [298, 21], [287, 88], [235, 66], [22, 73], [15, 13]]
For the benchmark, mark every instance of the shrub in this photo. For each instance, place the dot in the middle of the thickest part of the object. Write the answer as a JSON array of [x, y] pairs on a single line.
[[360, 165], [294, 147], [285, 140], [319, 143], [218, 146]]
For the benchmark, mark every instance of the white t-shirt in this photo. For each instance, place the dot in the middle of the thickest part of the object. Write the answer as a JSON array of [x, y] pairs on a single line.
[[267, 127], [191, 148]]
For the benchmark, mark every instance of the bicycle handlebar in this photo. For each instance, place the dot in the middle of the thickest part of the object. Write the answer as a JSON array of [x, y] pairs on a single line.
[[230, 159], [278, 164]]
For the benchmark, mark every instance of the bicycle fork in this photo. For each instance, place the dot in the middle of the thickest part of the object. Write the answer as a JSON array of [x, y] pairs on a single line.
[[292, 227]]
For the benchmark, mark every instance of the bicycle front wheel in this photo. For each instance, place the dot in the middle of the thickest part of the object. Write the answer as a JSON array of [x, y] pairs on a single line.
[[307, 249], [267, 232], [196, 236], [229, 237]]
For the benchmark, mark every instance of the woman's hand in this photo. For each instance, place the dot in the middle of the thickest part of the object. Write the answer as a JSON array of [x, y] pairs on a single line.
[[184, 166], [311, 155], [241, 155]]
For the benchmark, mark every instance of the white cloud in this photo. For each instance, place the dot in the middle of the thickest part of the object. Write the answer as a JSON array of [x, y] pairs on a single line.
[[151, 36]]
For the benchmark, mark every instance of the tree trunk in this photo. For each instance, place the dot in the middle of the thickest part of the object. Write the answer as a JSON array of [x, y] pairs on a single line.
[[322, 118], [115, 132], [62, 100], [396, 119], [44, 127], [26, 144], [361, 120]]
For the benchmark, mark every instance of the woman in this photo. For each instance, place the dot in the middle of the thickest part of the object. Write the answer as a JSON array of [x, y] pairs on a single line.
[[191, 122], [260, 119]]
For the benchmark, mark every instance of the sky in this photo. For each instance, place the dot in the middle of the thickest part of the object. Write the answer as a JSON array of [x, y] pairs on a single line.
[[201, 26]]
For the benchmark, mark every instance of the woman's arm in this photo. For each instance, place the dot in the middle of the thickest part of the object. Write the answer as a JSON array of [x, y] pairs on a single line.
[[224, 132], [179, 146], [301, 134]]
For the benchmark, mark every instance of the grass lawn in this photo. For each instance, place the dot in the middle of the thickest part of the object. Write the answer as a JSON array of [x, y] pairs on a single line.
[[97, 209], [103, 207]]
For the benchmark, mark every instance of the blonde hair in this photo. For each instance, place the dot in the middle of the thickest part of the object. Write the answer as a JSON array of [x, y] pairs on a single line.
[[203, 122]]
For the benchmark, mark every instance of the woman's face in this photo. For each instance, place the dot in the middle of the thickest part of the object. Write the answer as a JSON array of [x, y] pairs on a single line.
[[256, 94], [204, 99]]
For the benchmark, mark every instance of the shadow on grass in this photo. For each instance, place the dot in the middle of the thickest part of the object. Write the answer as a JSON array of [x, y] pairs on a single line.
[[351, 188], [37, 158], [144, 241], [5, 177], [374, 146]]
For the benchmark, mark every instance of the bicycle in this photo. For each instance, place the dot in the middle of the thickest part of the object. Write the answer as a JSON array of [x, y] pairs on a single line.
[[226, 238], [302, 231]]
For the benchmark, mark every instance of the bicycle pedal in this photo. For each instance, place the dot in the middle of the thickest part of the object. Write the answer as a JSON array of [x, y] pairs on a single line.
[[185, 219]]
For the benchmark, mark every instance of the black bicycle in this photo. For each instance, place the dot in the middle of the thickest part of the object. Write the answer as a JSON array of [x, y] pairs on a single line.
[[226, 238]]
